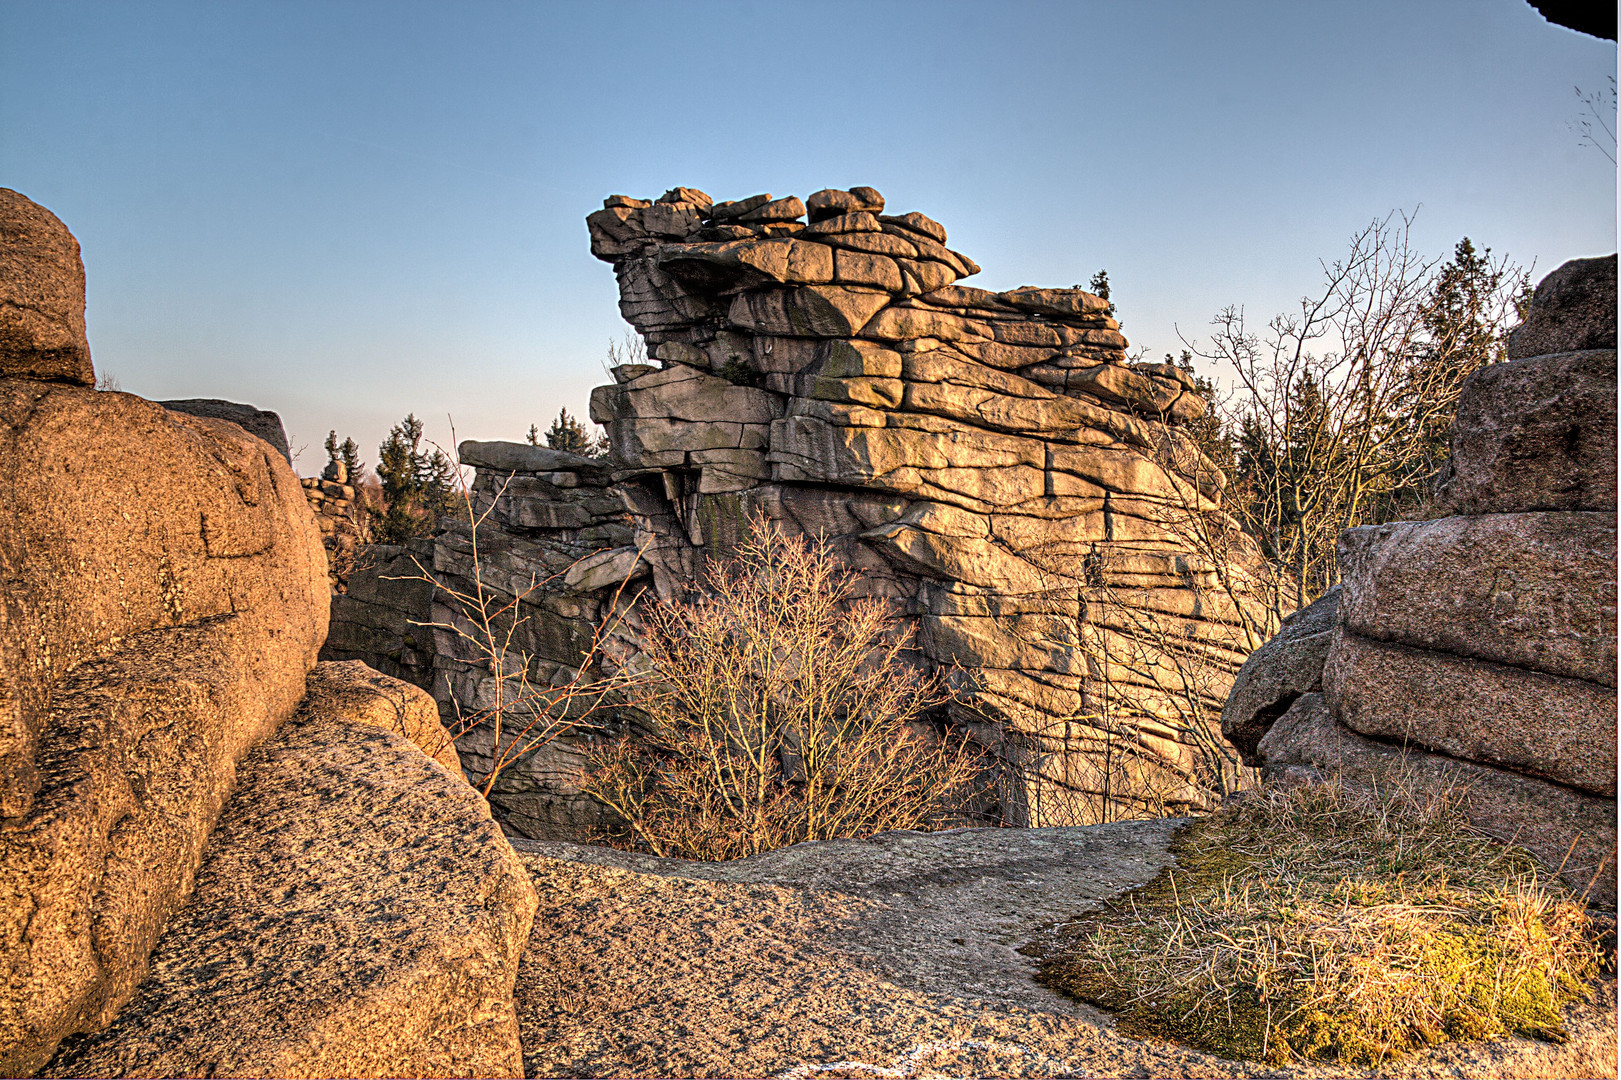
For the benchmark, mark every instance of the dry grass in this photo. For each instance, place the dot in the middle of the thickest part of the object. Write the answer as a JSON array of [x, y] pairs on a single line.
[[1327, 924]]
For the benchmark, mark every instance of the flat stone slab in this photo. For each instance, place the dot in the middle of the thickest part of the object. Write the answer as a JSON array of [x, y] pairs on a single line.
[[895, 957]]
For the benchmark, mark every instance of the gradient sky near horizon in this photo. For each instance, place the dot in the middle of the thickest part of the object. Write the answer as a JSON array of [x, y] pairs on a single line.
[[348, 211]]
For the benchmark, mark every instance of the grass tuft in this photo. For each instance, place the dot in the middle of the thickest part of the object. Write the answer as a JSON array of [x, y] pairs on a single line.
[[1325, 923]]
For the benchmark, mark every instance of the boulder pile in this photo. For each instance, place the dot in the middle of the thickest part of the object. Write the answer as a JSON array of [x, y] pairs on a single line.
[[1480, 647], [333, 503], [165, 598], [992, 463]]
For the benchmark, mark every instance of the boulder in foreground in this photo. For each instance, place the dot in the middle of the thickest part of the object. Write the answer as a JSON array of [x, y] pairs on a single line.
[[357, 913], [165, 595]]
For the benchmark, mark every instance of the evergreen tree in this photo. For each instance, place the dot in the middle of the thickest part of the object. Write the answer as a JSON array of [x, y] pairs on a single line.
[[417, 483], [568, 434], [346, 454], [1099, 287]]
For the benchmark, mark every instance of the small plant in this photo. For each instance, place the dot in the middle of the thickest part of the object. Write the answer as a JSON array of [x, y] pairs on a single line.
[[1323, 923], [775, 709]]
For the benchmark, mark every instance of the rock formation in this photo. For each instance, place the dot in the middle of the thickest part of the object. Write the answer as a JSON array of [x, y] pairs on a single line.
[[261, 422], [42, 333], [357, 913], [165, 597], [1482, 642], [1026, 498], [990, 462], [556, 532], [333, 502]]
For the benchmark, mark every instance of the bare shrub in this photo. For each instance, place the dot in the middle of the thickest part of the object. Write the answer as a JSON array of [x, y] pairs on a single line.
[[524, 701], [775, 709]]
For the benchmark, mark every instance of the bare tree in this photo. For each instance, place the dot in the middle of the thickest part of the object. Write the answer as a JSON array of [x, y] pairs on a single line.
[[1340, 408]]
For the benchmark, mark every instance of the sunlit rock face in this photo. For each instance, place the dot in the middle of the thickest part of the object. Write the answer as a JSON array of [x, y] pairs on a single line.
[[1483, 643], [991, 463]]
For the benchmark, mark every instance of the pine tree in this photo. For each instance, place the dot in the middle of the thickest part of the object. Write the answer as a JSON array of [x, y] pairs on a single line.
[[569, 435], [346, 454], [1099, 287], [416, 483]]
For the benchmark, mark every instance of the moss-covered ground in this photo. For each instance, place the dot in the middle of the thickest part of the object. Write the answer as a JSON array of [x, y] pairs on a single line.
[[1332, 925]]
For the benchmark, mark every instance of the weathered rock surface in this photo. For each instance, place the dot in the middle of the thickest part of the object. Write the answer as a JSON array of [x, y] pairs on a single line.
[[990, 463], [558, 534], [893, 956], [350, 691], [1572, 310], [1566, 829], [165, 595], [357, 913], [1280, 671], [1482, 646], [1543, 725], [42, 333], [258, 422], [1536, 434], [1531, 590]]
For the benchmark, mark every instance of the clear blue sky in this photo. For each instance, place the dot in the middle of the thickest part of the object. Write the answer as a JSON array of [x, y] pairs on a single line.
[[345, 212]]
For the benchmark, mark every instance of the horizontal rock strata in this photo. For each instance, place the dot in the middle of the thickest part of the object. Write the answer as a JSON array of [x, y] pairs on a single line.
[[1568, 830], [1544, 725], [1530, 590], [990, 462], [557, 535], [357, 913]]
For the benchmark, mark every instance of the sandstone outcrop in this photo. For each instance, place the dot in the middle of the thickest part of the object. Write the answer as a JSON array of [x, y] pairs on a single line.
[[42, 333], [903, 955], [357, 913], [1483, 643], [991, 462]]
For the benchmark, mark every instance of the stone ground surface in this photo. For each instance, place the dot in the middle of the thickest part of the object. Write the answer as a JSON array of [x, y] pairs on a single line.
[[890, 957]]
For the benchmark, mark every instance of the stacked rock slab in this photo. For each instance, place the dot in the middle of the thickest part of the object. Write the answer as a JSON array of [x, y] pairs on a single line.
[[165, 595], [333, 502], [556, 541], [990, 462], [1484, 642]]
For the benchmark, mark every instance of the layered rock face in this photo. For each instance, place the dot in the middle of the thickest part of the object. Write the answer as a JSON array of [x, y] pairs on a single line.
[[556, 539], [1484, 641], [989, 462]]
